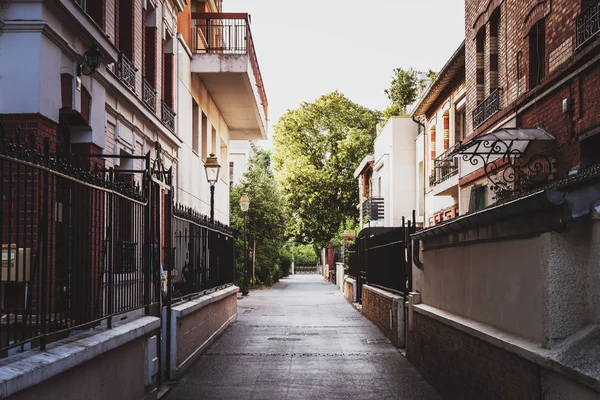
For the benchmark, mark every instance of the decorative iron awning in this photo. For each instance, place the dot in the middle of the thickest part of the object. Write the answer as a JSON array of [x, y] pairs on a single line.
[[500, 154]]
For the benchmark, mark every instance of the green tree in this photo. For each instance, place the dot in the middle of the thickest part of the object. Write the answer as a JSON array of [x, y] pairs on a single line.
[[265, 220], [405, 88], [317, 148]]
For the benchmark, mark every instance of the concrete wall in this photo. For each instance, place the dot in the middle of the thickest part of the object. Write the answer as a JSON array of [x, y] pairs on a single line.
[[118, 363], [386, 310], [118, 374], [496, 283], [196, 324]]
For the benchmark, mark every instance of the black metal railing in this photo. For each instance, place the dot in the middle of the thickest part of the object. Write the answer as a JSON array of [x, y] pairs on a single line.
[[72, 238], [149, 96], [127, 72], [168, 117], [228, 33], [204, 254], [373, 209], [445, 166], [587, 24], [486, 109], [303, 269]]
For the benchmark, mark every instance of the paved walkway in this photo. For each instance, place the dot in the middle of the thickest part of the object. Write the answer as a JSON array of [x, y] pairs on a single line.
[[301, 340]]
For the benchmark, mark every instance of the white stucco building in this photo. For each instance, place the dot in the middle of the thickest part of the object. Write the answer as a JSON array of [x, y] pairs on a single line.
[[168, 74], [387, 179]]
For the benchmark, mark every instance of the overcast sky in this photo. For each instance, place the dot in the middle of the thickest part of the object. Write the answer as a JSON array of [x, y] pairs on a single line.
[[309, 48]]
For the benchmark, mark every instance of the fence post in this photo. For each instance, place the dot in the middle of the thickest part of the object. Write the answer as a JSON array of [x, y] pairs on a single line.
[[45, 227], [110, 248]]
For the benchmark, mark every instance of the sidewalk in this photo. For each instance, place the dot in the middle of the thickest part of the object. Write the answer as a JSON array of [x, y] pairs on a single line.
[[301, 340]]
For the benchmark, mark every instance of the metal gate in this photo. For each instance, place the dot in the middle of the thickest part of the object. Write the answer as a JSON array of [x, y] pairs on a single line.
[[382, 257]]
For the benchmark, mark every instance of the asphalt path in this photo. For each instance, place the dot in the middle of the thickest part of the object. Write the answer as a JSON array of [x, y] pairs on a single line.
[[301, 339]]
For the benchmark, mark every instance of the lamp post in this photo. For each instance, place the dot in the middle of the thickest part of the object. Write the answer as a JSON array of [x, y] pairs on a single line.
[[244, 204], [212, 168]]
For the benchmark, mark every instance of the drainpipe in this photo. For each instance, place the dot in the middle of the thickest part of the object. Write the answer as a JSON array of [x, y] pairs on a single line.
[[416, 243]]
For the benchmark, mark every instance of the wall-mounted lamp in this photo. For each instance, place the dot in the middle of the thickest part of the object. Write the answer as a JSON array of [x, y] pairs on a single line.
[[91, 61]]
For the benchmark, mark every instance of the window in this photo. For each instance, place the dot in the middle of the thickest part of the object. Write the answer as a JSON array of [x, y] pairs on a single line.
[[204, 150], [460, 126], [86, 101], [125, 25], [480, 45], [213, 141], [66, 90], [149, 51], [93, 8], [167, 76], [494, 25], [477, 200], [537, 53], [195, 127], [231, 173]]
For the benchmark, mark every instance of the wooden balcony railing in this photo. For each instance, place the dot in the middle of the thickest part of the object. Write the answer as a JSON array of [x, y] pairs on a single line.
[[587, 24], [228, 33]]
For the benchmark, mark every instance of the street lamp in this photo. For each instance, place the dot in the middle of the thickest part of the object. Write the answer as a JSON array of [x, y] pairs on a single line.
[[244, 204], [91, 61], [212, 168]]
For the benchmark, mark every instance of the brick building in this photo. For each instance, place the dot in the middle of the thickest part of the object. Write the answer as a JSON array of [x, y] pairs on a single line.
[[442, 115], [505, 300], [533, 65]]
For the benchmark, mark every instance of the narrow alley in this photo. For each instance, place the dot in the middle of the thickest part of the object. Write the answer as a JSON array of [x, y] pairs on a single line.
[[301, 340]]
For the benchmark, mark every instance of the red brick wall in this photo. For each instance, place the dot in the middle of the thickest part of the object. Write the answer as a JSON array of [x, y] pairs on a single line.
[[516, 19], [348, 291], [27, 124], [461, 366], [382, 311]]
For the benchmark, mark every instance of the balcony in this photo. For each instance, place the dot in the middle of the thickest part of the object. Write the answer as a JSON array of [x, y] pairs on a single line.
[[486, 109], [127, 72], [225, 60], [168, 117], [149, 96], [373, 209], [587, 25], [445, 166]]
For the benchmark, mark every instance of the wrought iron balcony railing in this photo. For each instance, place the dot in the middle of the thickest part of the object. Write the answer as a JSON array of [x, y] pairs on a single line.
[[168, 117], [486, 109], [149, 96], [228, 33], [587, 24], [445, 166], [373, 209], [127, 72]]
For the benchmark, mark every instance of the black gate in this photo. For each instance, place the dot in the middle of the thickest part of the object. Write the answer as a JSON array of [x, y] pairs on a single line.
[[381, 257]]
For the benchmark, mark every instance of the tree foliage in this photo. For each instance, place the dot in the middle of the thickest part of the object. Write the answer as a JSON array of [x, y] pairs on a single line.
[[317, 148], [406, 86], [265, 220]]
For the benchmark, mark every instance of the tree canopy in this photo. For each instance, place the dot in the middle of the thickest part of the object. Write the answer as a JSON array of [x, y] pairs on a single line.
[[317, 148], [265, 221]]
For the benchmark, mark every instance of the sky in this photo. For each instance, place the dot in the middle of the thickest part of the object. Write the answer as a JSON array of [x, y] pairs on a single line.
[[312, 47]]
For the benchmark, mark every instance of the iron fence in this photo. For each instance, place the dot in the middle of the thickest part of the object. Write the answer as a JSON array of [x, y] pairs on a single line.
[[303, 269], [204, 255], [486, 109], [373, 209], [228, 33], [587, 25], [168, 117], [445, 166], [149, 96], [72, 239], [127, 71]]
